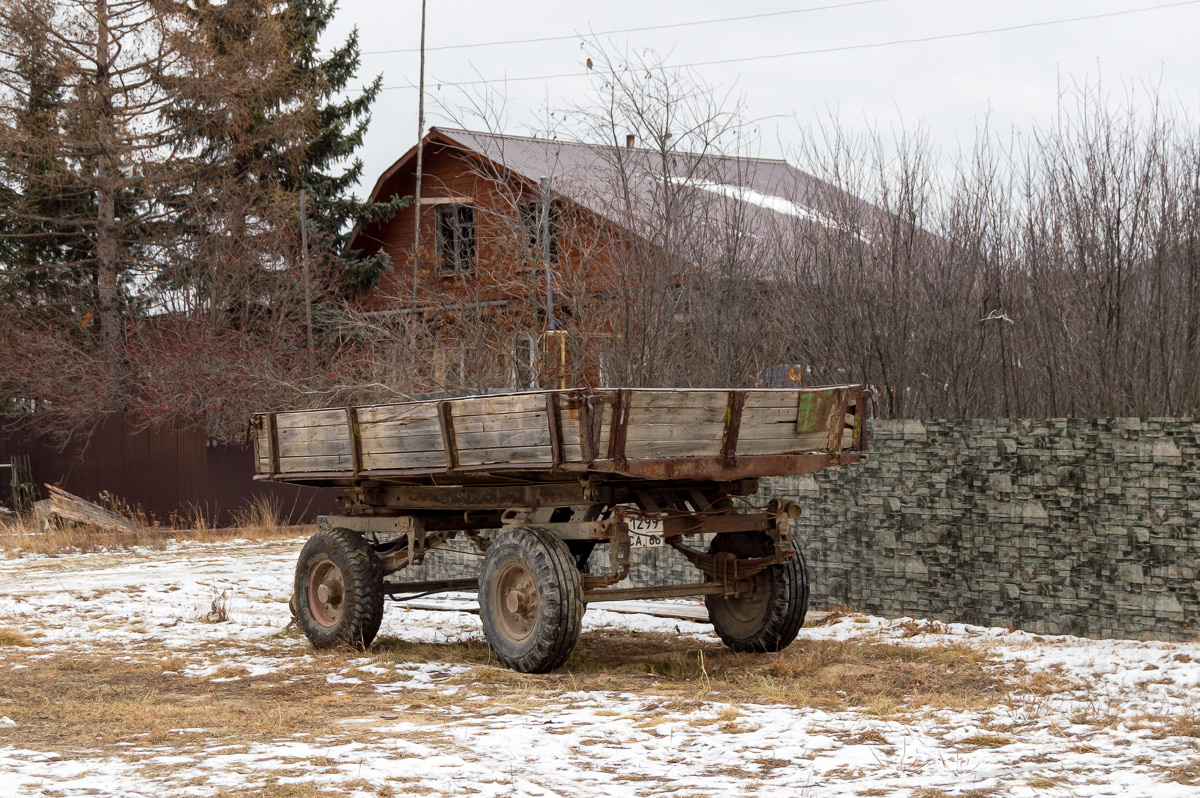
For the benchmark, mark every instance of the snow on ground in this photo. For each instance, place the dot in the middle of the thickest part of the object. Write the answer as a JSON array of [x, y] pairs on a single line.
[[1123, 720]]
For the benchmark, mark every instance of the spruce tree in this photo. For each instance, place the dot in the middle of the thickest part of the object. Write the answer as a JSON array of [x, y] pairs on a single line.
[[43, 210], [340, 124]]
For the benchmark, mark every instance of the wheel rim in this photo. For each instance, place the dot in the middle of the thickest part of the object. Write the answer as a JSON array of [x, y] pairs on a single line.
[[326, 593], [514, 598], [743, 614]]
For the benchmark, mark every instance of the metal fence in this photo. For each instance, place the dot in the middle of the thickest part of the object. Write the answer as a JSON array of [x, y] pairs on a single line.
[[168, 473]]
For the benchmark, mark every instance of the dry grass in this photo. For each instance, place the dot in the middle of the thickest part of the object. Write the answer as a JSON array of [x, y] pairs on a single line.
[[1184, 774], [1164, 726], [1045, 782], [12, 637], [986, 740], [23, 536], [883, 679], [95, 701]]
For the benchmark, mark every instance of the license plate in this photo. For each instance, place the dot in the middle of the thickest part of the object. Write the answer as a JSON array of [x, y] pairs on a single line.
[[645, 533]]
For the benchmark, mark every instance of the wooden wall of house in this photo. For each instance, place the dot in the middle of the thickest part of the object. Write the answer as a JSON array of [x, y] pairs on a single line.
[[507, 283], [504, 268]]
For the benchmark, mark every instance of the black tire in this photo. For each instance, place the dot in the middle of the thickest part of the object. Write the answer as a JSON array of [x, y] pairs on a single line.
[[770, 615], [530, 600], [349, 611]]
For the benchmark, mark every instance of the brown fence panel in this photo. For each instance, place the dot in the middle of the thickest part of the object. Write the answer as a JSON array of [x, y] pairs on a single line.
[[167, 473], [231, 486]]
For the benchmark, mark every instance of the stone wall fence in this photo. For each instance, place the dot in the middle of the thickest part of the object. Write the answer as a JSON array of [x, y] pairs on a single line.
[[1079, 526]]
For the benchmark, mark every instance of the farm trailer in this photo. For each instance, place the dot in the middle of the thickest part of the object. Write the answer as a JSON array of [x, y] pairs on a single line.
[[545, 482]]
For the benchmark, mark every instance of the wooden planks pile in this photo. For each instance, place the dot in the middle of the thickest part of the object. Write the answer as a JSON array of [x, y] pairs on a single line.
[[69, 507], [571, 430]]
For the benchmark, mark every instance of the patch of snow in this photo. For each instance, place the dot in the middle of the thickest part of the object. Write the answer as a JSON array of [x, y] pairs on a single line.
[[771, 202]]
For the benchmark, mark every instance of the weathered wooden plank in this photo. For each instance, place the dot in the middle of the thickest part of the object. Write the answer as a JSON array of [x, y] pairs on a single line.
[[813, 442], [675, 416], [72, 508], [524, 455], [505, 421], [650, 398], [324, 433], [761, 399], [572, 441], [302, 448], [502, 439], [315, 463], [431, 442], [504, 403], [777, 432], [699, 433], [398, 414], [715, 415], [260, 441], [432, 461], [606, 416], [769, 415], [310, 418], [392, 431], [653, 449]]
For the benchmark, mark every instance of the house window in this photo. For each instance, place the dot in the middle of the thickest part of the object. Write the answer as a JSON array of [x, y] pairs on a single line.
[[525, 361], [532, 227], [456, 237]]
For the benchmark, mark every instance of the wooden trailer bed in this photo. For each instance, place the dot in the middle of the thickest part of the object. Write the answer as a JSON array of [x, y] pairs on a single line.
[[658, 434], [554, 489]]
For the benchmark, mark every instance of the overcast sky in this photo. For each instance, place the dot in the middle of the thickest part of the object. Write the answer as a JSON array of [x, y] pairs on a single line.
[[949, 86]]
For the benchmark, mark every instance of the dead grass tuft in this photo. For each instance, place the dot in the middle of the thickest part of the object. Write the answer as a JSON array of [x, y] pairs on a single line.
[[1044, 782], [261, 519], [1183, 774], [1163, 726], [12, 637], [986, 740]]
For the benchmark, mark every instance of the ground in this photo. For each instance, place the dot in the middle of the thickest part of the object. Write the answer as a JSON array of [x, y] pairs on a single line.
[[171, 671]]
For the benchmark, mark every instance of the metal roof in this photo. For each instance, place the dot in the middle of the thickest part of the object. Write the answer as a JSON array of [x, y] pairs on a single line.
[[626, 184]]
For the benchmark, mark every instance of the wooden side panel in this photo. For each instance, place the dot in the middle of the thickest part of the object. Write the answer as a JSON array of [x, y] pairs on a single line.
[[675, 423], [262, 457], [503, 429], [605, 436], [401, 436], [310, 440], [786, 422]]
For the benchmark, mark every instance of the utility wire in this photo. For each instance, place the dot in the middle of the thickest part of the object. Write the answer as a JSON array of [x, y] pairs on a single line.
[[629, 30], [824, 50]]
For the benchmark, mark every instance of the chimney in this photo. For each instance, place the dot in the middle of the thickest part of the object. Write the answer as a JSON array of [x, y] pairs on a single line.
[[629, 139]]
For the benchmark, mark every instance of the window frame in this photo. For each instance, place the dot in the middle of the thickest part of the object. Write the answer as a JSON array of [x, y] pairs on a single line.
[[455, 224], [529, 215]]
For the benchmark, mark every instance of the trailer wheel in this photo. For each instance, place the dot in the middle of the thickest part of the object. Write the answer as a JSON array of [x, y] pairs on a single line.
[[338, 594], [768, 615], [530, 600]]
